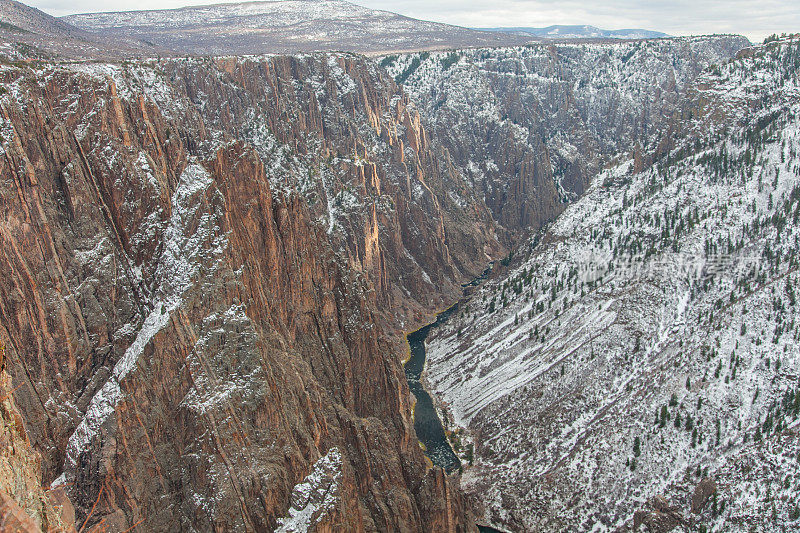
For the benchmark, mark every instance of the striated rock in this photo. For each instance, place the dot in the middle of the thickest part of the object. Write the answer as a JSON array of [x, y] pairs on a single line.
[[25, 504], [358, 153], [193, 321]]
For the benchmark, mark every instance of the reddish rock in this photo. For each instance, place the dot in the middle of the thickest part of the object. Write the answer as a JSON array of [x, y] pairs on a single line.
[[702, 492], [186, 335], [659, 517]]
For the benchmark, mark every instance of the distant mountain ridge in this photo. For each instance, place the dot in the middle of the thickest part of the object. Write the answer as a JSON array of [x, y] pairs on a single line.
[[579, 32], [32, 20], [256, 27], [284, 27], [27, 32]]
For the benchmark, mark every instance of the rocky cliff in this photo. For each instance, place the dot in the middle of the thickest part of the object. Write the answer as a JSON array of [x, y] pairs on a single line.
[[198, 258], [25, 504], [341, 134], [529, 126]]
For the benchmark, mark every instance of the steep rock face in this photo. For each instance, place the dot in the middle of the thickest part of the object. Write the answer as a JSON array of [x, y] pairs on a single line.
[[187, 339], [25, 504], [637, 366], [529, 126], [339, 131]]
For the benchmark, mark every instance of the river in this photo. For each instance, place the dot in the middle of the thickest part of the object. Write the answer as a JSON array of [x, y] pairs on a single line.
[[427, 423], [426, 419]]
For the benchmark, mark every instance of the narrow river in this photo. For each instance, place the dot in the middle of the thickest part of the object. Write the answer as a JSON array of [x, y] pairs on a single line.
[[427, 424], [426, 420]]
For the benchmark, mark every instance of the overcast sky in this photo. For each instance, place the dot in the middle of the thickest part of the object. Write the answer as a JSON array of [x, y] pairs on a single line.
[[753, 18]]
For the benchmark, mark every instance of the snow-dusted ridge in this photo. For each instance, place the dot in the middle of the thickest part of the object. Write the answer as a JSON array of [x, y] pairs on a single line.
[[581, 32], [284, 26], [649, 337]]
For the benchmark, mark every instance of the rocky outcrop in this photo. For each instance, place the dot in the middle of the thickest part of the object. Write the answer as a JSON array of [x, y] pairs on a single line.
[[702, 492], [195, 258], [25, 504], [660, 517]]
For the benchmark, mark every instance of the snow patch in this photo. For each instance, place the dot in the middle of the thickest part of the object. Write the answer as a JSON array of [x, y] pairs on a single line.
[[178, 263], [317, 494]]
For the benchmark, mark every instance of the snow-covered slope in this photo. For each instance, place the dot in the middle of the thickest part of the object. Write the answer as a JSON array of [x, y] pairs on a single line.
[[28, 33], [285, 26], [641, 354], [561, 31], [26, 19]]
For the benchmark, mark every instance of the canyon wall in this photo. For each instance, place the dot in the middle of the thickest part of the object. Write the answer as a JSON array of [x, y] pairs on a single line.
[[198, 262], [529, 126], [25, 504], [635, 367]]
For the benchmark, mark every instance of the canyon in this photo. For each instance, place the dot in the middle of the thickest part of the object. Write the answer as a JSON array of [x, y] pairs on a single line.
[[210, 264]]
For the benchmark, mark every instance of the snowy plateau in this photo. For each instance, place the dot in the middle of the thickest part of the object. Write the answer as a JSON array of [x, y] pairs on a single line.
[[285, 26]]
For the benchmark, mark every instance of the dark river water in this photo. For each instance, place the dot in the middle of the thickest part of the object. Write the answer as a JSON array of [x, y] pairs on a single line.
[[426, 420], [427, 424]]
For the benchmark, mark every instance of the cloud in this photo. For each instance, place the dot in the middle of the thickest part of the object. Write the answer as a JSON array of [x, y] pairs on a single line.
[[755, 19]]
